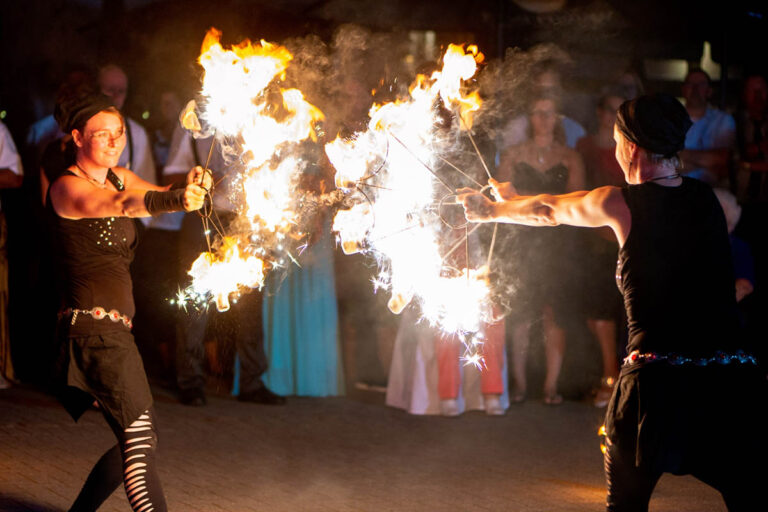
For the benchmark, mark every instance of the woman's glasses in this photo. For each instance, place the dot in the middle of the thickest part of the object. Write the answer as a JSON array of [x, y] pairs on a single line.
[[106, 137]]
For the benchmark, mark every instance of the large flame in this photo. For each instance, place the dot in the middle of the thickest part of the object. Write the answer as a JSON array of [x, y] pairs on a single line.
[[395, 220], [241, 102]]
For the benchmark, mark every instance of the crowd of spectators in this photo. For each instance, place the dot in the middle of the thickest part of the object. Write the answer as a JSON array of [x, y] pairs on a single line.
[[292, 331]]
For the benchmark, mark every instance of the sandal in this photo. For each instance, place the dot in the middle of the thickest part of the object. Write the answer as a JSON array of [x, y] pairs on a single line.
[[553, 399], [517, 397]]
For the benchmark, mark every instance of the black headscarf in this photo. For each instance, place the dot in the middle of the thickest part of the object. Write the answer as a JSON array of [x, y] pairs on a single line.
[[656, 122], [74, 110]]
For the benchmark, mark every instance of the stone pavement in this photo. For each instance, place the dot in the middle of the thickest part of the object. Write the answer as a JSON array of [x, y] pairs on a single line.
[[332, 454]]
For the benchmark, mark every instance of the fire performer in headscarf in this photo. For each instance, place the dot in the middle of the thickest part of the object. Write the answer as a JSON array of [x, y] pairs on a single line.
[[688, 392], [90, 208]]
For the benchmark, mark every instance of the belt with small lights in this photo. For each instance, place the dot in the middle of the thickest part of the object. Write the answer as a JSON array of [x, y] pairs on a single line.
[[638, 358], [97, 313]]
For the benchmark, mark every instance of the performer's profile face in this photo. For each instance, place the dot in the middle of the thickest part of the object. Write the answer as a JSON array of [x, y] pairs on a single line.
[[103, 139]]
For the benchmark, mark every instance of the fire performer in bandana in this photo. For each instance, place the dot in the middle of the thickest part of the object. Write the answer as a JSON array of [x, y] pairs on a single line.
[[90, 208], [690, 399]]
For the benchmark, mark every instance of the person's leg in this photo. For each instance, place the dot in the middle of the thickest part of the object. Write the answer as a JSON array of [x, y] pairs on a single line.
[[629, 487], [190, 358], [102, 481], [447, 353], [492, 378], [605, 332], [249, 341], [739, 476], [520, 342], [132, 462], [554, 348], [138, 443], [190, 328]]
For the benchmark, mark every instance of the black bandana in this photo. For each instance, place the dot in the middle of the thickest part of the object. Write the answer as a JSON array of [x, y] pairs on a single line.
[[73, 112], [657, 123]]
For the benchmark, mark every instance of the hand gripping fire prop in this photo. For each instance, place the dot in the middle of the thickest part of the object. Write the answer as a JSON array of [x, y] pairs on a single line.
[[259, 124], [398, 215]]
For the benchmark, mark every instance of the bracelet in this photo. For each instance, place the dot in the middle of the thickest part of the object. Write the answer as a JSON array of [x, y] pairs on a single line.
[[164, 202]]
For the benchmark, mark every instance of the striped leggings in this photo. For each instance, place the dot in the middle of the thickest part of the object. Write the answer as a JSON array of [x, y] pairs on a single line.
[[130, 462]]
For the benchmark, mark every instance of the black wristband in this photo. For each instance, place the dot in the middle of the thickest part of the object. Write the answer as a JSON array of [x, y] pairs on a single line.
[[164, 202]]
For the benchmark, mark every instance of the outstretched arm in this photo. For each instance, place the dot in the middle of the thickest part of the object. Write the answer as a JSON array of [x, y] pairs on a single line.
[[604, 206], [75, 198]]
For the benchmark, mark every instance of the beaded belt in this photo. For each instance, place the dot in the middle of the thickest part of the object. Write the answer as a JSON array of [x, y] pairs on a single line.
[[98, 313], [740, 356]]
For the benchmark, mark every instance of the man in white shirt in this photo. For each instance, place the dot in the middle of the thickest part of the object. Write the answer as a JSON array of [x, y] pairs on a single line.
[[11, 175], [247, 313], [137, 155], [712, 138]]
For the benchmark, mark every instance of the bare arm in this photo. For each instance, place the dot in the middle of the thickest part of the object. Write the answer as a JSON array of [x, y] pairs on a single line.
[[604, 206], [75, 198]]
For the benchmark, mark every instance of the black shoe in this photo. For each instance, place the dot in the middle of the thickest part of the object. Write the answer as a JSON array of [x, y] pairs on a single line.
[[262, 396], [192, 396]]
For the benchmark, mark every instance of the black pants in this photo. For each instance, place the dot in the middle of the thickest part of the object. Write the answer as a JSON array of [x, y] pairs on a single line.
[[724, 465], [247, 332]]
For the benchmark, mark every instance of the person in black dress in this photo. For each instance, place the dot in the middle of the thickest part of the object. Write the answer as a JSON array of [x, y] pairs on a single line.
[[90, 206], [690, 398], [542, 164]]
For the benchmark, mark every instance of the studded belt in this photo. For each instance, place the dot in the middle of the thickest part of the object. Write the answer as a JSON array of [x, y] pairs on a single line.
[[97, 313], [636, 358]]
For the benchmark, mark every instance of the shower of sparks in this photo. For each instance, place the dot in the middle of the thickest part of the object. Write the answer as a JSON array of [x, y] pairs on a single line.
[[402, 230], [242, 103]]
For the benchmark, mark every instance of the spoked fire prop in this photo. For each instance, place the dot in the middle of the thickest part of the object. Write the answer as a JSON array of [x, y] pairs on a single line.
[[257, 124], [393, 201], [398, 215]]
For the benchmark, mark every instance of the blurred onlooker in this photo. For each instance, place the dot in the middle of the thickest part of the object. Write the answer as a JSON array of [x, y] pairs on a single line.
[[602, 300], [630, 84], [546, 78], [743, 263], [300, 312], [752, 130], [191, 328], [711, 139], [543, 164], [137, 155], [169, 107], [11, 174]]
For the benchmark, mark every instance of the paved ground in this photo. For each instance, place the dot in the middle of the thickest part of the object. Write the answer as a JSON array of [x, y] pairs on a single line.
[[340, 454]]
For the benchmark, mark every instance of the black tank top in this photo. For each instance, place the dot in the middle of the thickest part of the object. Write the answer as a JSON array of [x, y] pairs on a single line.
[[93, 258], [675, 271]]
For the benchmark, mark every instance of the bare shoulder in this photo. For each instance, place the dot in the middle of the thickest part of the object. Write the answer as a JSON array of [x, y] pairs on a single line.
[[609, 198]]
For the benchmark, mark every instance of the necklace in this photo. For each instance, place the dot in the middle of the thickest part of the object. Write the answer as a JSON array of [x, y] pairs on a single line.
[[667, 177], [541, 152], [98, 183]]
